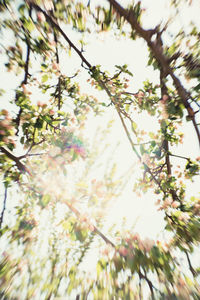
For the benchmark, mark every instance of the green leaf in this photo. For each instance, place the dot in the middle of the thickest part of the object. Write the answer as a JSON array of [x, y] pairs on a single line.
[[39, 123], [45, 200], [142, 149], [22, 140], [134, 126], [29, 25], [45, 78]]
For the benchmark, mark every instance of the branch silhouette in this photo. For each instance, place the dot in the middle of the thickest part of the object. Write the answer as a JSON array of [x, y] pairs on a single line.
[[158, 52]]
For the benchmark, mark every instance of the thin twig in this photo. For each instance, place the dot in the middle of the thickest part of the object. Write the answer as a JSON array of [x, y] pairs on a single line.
[[59, 78], [194, 273], [55, 25], [178, 156], [96, 230], [26, 73], [4, 206], [151, 287]]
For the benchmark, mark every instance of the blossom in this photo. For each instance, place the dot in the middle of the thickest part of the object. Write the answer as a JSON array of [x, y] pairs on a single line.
[[51, 112], [40, 17], [25, 90], [41, 104], [146, 244], [197, 206], [123, 251], [136, 237], [108, 251], [55, 66], [6, 124], [140, 94], [157, 202], [146, 158], [175, 204], [167, 203]]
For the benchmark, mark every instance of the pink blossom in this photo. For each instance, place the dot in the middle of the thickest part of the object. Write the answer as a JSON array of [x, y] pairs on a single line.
[[140, 94], [123, 251], [146, 158], [136, 237], [158, 202], [51, 112], [40, 17], [146, 245], [175, 204], [108, 251], [167, 203], [197, 206], [55, 66]]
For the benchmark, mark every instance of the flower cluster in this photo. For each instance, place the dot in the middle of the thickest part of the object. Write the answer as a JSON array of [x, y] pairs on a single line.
[[135, 241]]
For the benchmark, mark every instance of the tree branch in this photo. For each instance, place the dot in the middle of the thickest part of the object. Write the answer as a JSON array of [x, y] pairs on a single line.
[[96, 230], [59, 78], [56, 26], [151, 287], [21, 167], [164, 91], [26, 73], [4, 206], [194, 273], [26, 67], [157, 51]]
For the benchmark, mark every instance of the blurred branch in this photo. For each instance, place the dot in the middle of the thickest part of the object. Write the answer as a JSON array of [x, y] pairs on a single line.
[[158, 52], [56, 26], [59, 78], [21, 167], [96, 230], [26, 66], [26, 73], [4, 206], [151, 287], [194, 273], [178, 156], [164, 91]]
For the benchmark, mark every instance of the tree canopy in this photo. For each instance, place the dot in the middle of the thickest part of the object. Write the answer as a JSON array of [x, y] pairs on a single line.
[[58, 182]]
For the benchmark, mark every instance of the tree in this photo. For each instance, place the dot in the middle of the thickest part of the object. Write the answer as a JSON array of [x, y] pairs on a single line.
[[48, 135]]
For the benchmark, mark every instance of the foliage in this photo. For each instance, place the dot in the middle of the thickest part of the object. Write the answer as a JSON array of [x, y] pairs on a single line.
[[59, 206]]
